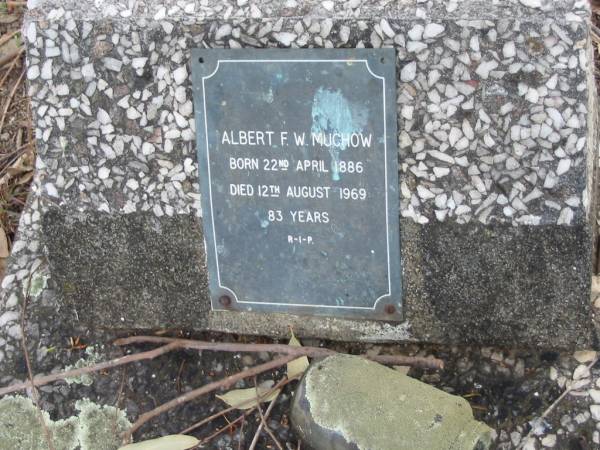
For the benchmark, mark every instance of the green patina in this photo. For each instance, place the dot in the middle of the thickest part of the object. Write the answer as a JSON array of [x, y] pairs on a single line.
[[333, 113], [96, 427]]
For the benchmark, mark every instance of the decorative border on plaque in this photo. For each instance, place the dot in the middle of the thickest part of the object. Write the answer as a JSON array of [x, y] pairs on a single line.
[[224, 297]]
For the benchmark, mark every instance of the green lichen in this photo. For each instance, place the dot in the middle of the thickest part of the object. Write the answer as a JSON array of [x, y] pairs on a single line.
[[20, 427], [100, 426], [93, 356], [37, 284], [96, 427]]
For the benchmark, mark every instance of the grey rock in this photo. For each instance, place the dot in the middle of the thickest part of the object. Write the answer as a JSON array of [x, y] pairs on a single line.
[[346, 402]]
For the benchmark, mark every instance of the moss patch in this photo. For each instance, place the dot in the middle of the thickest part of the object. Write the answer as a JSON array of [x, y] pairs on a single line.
[[96, 427]]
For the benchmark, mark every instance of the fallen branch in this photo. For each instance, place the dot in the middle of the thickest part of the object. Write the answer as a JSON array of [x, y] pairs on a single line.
[[314, 352], [191, 395], [263, 423], [40, 381]]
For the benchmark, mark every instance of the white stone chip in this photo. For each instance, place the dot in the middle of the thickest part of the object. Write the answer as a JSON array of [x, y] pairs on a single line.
[[147, 148], [132, 113], [386, 28], [595, 410], [180, 75], [484, 69], [563, 166], [595, 394], [255, 12], [531, 3], [409, 72], [509, 50], [103, 173], [532, 95], [103, 117], [51, 190], [454, 136], [138, 63], [47, 70], [424, 193], [161, 13], [112, 64], [416, 32], [328, 5], [33, 72], [433, 30], [574, 122], [31, 32], [132, 184], [565, 218], [285, 38], [441, 171], [87, 70], [223, 31]]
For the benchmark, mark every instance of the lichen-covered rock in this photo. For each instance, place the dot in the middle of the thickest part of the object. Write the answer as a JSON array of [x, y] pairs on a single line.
[[348, 403]]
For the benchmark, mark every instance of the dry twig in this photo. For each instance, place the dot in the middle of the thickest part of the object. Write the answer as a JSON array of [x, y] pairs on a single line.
[[218, 432], [14, 55], [555, 403], [7, 37], [9, 71], [34, 393], [40, 381], [9, 99], [241, 438], [314, 352], [263, 423]]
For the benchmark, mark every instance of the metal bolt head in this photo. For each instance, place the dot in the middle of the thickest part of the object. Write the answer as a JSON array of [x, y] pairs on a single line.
[[225, 300], [389, 309]]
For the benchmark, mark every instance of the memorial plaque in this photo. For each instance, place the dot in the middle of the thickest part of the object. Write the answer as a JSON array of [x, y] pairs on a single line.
[[298, 175]]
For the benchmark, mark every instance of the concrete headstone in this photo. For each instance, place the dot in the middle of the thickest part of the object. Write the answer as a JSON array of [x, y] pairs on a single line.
[[496, 119]]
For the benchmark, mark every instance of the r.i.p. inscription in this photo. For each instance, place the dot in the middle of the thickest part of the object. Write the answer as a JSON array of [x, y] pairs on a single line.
[[298, 175]]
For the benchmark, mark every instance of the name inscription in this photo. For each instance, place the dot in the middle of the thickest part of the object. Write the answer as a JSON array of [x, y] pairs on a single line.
[[298, 175]]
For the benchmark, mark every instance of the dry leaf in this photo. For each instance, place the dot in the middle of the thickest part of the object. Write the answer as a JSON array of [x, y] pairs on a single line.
[[298, 366], [3, 244], [173, 442], [25, 178], [246, 398]]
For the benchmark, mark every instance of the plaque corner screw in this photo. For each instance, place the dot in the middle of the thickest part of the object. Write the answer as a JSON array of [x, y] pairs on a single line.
[[225, 300], [389, 309]]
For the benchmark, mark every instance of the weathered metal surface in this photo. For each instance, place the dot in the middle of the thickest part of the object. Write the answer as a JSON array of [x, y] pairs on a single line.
[[298, 175]]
